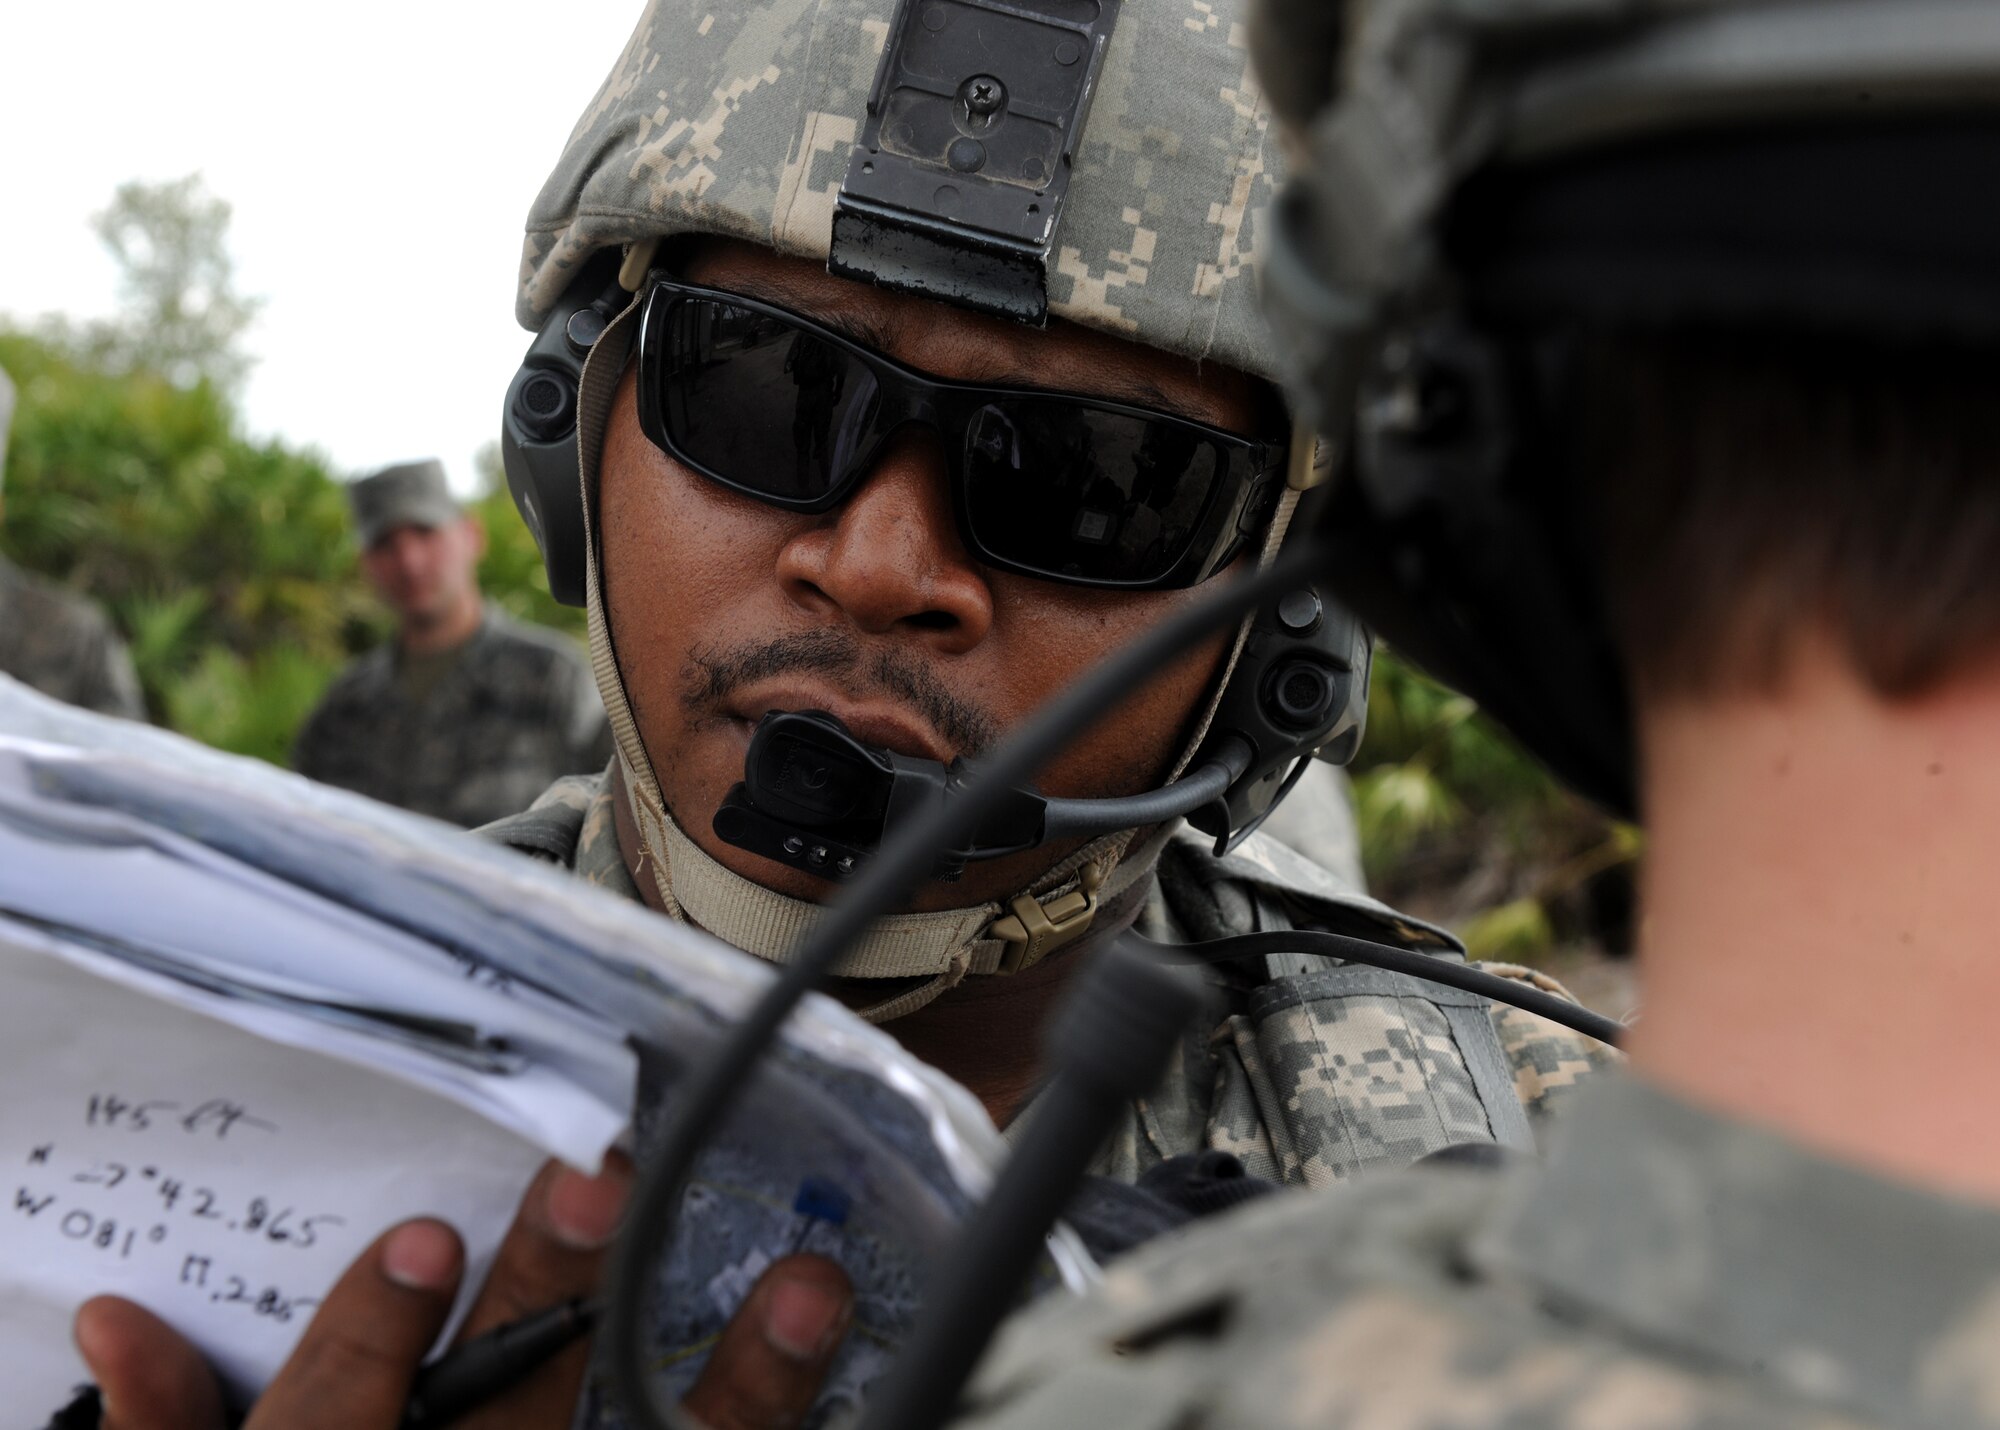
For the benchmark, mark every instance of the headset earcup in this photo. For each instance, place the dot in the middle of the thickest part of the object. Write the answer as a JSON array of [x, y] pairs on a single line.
[[538, 427]]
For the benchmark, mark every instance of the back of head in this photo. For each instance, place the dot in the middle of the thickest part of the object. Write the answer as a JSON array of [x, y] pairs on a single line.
[[1681, 312]]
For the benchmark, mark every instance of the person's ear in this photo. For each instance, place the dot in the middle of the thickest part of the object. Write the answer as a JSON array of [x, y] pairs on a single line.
[[475, 533]]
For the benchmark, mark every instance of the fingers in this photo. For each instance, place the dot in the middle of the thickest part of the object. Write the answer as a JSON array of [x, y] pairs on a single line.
[[353, 1366], [150, 1377], [355, 1362], [553, 1253], [768, 1367]]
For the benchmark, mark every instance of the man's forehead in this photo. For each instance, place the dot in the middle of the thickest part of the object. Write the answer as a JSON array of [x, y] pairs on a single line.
[[414, 528], [954, 343]]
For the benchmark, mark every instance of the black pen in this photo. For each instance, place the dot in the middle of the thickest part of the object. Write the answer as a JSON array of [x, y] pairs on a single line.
[[475, 1372]]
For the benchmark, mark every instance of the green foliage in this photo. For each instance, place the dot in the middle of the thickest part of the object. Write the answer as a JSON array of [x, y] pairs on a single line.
[[252, 705], [226, 563], [1459, 823]]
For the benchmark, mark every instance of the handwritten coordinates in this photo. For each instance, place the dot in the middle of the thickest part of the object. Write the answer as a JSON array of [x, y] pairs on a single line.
[[117, 1209]]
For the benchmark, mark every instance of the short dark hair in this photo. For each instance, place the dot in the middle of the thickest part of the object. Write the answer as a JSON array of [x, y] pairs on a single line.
[[1741, 489]]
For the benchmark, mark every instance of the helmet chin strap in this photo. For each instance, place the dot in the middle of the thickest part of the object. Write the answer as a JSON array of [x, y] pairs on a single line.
[[941, 948]]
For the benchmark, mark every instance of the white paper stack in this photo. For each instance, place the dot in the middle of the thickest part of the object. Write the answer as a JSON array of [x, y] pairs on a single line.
[[248, 1023]]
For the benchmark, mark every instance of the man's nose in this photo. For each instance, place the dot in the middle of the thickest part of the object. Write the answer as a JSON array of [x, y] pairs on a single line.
[[406, 550], [890, 558]]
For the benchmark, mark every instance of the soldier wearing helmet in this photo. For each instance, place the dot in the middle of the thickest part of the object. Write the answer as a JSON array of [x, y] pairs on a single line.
[[57, 641], [1665, 337], [891, 392], [922, 493]]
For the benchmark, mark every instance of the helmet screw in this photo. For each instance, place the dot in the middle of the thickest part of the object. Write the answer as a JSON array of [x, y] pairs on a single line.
[[983, 94]]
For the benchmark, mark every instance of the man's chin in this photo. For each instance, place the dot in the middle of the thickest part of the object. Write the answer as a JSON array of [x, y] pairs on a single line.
[[425, 615]]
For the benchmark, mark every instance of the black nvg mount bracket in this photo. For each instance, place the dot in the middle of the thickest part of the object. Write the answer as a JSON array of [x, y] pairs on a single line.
[[958, 182]]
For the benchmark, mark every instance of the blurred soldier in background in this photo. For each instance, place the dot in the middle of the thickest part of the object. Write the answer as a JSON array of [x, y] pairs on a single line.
[[55, 640], [467, 714], [1668, 336]]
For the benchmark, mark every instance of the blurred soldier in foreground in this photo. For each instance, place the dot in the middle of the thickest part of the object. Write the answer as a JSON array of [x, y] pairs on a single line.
[[1676, 334], [55, 640], [468, 714]]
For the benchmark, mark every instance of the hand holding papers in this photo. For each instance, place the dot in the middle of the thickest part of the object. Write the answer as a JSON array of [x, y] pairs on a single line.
[[391, 1019], [199, 1185]]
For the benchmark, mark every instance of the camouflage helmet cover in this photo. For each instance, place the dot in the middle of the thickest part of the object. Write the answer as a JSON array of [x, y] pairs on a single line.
[[738, 119]]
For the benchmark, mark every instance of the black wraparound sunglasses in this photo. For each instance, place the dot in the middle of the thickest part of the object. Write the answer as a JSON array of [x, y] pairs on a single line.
[[1070, 489]]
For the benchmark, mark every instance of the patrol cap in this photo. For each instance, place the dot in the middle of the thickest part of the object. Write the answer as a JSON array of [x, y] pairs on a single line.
[[739, 120], [407, 494], [6, 419]]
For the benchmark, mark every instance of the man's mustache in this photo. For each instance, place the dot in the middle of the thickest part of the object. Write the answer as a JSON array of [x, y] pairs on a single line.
[[719, 673]]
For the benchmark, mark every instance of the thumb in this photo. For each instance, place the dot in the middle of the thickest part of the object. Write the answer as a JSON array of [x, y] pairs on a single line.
[[767, 1369], [149, 1376]]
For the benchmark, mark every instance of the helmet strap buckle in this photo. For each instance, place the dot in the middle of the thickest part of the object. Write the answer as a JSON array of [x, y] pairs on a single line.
[[1036, 929]]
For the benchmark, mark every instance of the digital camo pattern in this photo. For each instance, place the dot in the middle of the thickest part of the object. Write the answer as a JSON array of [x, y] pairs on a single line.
[[1310, 1078], [63, 646], [1550, 1064], [1666, 1270], [517, 709], [737, 119]]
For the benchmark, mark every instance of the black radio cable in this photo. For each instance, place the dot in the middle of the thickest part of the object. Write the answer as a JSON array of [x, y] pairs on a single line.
[[903, 862], [1426, 966]]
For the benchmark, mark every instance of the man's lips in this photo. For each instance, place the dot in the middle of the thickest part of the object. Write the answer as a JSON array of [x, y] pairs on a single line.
[[887, 726]]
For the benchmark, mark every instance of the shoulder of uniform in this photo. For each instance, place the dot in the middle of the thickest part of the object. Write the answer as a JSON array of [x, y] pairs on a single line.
[[1282, 1262], [1372, 1304], [44, 602], [1548, 1061], [365, 672], [550, 827], [1191, 872], [551, 647]]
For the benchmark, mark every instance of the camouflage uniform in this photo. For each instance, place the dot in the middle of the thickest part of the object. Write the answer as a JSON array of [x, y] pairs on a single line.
[[1308, 1070], [1667, 1269], [516, 709], [63, 646], [55, 641]]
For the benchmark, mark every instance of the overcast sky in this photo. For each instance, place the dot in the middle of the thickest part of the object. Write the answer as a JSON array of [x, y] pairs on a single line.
[[380, 156]]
